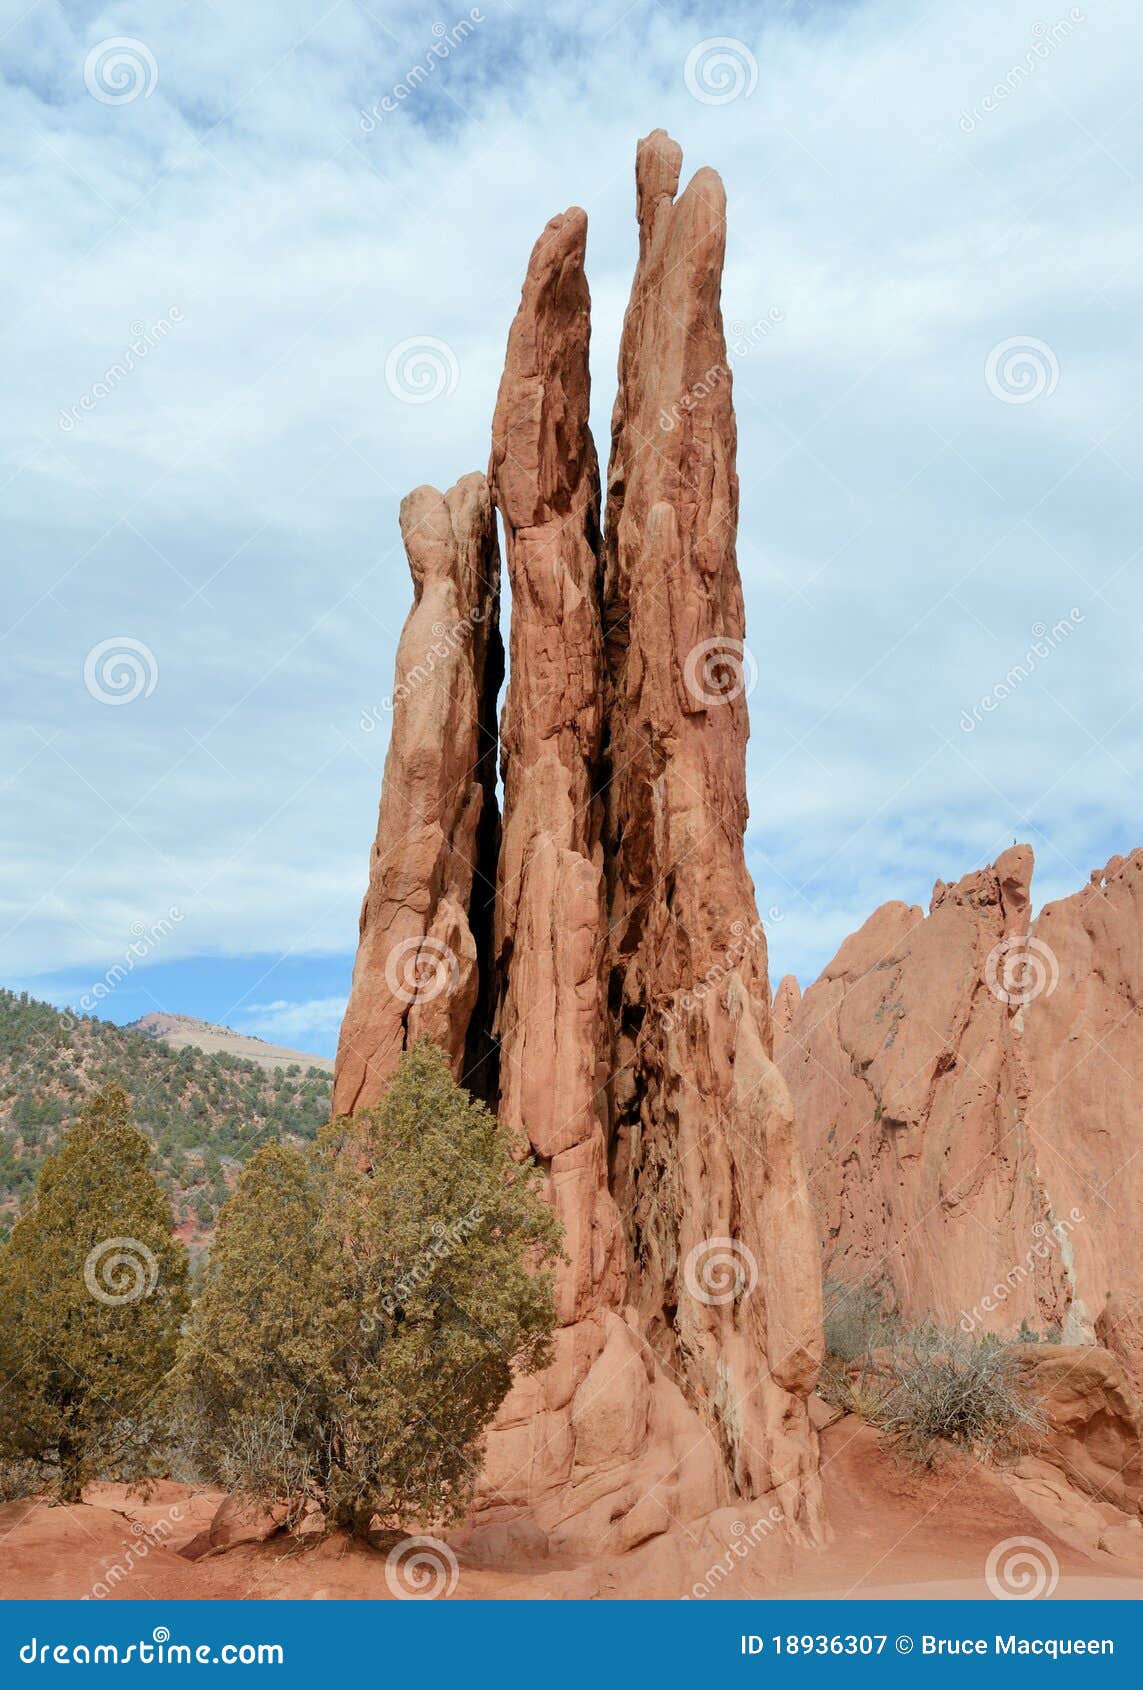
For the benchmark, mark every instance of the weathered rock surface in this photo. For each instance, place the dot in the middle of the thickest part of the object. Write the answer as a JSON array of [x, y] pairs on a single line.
[[706, 1163], [1083, 1049], [1091, 1431], [968, 1086], [786, 1001], [432, 869]]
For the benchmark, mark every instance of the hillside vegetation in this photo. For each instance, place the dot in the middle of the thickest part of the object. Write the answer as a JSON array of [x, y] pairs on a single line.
[[206, 1115]]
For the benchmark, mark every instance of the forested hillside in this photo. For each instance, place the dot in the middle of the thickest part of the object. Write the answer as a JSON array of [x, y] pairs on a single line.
[[206, 1114]]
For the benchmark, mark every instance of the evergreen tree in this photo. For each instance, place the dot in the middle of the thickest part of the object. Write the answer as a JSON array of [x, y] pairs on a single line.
[[367, 1305], [252, 1378], [93, 1291]]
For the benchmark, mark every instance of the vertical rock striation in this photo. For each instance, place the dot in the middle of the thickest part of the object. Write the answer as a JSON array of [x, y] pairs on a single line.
[[432, 869], [601, 1449], [707, 1166]]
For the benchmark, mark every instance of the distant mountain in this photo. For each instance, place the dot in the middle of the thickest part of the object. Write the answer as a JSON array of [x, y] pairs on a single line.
[[181, 1031], [207, 1110]]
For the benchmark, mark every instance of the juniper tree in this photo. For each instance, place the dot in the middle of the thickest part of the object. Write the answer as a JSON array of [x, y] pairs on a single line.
[[367, 1305], [252, 1382], [93, 1291]]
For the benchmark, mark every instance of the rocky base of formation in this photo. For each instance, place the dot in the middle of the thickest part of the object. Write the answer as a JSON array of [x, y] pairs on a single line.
[[894, 1529]]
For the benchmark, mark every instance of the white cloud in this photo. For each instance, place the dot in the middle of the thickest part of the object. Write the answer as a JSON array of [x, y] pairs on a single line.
[[232, 503], [293, 1024]]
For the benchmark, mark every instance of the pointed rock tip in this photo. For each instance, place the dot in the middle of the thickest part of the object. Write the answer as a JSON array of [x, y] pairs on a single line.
[[562, 234], [1014, 869], [1011, 873], [658, 163], [786, 1001], [706, 186], [700, 214]]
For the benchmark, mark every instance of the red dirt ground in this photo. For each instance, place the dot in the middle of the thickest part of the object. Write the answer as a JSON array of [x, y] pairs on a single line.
[[897, 1532]]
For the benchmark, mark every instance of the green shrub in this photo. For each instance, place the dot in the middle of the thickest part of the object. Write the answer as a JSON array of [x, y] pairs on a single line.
[[365, 1307], [93, 1291]]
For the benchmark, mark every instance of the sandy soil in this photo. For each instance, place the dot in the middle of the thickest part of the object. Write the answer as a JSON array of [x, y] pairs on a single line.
[[896, 1532]]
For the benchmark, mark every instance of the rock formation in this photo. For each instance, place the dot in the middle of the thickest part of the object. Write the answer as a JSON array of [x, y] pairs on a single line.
[[1083, 1050], [968, 1087], [617, 1008], [1090, 1429], [432, 869], [706, 1163], [786, 1001], [601, 1449]]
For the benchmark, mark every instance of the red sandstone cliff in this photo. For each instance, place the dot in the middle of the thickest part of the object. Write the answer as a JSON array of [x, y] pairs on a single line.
[[968, 1085]]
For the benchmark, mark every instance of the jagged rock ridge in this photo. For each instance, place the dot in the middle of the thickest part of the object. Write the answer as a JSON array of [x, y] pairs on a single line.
[[968, 1084]]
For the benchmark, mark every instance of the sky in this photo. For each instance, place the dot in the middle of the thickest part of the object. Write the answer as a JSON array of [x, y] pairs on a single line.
[[262, 268]]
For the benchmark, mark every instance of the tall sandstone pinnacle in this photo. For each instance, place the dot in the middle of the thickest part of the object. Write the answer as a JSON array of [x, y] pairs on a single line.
[[601, 1448], [432, 868], [704, 1145], [621, 987], [970, 1088]]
